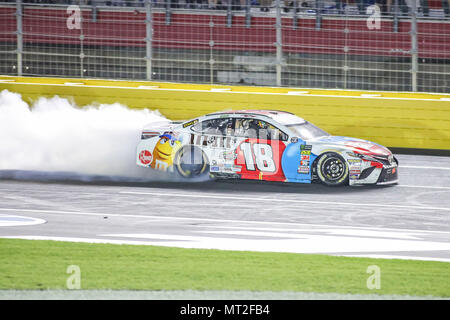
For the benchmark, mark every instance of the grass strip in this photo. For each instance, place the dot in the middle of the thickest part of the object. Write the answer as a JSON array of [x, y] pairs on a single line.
[[32, 264]]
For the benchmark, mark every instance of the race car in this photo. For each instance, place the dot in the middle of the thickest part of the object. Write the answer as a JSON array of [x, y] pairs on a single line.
[[263, 145]]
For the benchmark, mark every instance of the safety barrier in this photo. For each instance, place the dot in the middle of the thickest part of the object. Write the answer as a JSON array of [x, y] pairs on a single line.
[[400, 120]]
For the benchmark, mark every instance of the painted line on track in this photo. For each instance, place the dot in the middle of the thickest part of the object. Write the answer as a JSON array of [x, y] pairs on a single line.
[[421, 167], [270, 223], [388, 256], [423, 187]]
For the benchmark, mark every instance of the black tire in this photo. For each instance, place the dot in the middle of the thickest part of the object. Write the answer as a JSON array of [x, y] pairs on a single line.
[[332, 169], [191, 162]]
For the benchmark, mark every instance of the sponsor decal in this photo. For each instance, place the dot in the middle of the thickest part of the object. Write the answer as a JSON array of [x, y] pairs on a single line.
[[145, 157], [357, 171], [212, 141], [303, 169], [190, 123], [305, 152], [304, 163], [354, 162], [228, 155], [305, 157], [163, 152], [160, 165], [214, 169], [306, 147]]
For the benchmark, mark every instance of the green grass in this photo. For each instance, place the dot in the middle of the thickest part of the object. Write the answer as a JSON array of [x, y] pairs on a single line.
[[30, 264]]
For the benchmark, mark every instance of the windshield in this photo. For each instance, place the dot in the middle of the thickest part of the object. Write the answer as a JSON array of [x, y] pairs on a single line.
[[307, 131]]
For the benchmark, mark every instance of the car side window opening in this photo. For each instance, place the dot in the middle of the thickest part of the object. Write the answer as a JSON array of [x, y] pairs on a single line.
[[222, 127], [258, 129], [307, 131]]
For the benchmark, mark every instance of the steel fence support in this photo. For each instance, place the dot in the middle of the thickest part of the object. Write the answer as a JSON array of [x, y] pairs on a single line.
[[168, 12], [229, 15], [19, 22], [414, 47], [318, 6], [248, 17], [279, 43], [148, 38], [395, 24], [82, 55], [295, 15]]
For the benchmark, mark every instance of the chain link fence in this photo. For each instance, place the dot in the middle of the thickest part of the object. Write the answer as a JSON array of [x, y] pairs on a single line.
[[399, 45]]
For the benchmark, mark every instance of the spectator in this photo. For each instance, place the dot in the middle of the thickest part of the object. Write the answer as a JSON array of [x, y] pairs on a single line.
[[235, 4], [195, 4], [288, 4], [340, 5], [402, 6], [212, 4], [382, 4], [264, 5]]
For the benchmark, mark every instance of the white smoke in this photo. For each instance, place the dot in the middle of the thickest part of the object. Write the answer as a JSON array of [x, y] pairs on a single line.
[[55, 135]]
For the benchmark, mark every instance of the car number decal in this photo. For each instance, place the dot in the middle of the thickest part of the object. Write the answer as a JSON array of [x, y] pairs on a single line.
[[260, 159]]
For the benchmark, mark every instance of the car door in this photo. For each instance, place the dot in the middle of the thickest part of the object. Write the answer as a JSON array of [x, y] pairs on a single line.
[[260, 149], [215, 136]]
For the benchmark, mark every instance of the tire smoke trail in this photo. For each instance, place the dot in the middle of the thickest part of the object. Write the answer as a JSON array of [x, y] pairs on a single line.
[[54, 135]]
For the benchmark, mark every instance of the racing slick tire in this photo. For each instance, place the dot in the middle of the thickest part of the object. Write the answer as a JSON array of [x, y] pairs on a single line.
[[191, 162], [332, 169]]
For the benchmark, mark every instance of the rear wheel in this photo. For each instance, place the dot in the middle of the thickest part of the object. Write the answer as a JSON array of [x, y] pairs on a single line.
[[332, 169], [191, 162]]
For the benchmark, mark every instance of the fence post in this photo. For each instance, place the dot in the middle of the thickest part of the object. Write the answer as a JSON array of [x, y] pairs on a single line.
[[229, 15], [82, 55], [148, 38], [414, 47], [19, 22], [318, 6], [395, 24], [248, 17], [279, 43], [168, 11], [295, 15]]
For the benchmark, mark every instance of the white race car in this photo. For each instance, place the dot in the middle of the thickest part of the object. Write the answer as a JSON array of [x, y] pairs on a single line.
[[263, 145]]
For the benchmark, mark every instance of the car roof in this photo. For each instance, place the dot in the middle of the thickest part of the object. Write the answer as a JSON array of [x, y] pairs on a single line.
[[276, 115], [268, 113]]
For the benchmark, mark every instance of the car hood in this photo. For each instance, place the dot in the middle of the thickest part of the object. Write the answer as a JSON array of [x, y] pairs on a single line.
[[354, 144]]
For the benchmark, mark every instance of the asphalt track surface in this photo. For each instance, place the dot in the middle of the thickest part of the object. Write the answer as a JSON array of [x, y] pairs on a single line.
[[410, 220]]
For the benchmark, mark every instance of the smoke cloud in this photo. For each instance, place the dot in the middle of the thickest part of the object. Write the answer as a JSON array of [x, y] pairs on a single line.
[[53, 135]]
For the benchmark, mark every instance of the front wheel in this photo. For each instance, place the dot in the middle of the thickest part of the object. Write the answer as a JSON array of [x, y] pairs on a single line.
[[332, 169], [191, 162]]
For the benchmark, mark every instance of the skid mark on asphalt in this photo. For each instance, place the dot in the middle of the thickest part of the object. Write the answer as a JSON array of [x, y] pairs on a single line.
[[260, 199]]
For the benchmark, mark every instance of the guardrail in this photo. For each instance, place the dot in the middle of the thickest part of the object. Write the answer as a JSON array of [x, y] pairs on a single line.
[[399, 120]]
